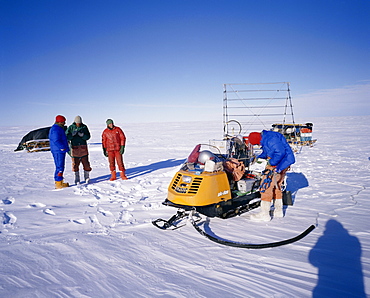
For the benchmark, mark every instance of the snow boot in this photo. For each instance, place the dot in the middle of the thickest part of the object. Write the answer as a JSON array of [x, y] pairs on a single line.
[[123, 176], [278, 208], [77, 177], [264, 214], [61, 184], [113, 176], [87, 176]]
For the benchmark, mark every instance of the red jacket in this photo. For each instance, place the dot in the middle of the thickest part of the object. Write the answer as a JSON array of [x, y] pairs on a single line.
[[113, 139]]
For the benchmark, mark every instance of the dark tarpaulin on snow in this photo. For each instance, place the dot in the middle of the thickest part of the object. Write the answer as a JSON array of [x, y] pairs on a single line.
[[37, 134]]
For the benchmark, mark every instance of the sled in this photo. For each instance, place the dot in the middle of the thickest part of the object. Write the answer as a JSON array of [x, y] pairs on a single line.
[[38, 145], [296, 134], [36, 140]]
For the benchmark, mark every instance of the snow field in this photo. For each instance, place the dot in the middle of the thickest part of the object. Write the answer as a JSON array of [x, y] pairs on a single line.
[[94, 240]]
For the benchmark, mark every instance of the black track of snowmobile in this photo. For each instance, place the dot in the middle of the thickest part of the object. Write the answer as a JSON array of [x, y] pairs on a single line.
[[222, 209], [249, 245]]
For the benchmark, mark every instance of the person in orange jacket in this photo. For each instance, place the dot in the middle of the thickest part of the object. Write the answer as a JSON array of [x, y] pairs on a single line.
[[114, 142]]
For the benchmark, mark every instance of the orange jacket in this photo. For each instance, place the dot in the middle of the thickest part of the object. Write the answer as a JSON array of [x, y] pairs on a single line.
[[113, 139], [306, 130]]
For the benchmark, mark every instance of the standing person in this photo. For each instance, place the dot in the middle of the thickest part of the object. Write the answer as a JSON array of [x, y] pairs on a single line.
[[77, 134], [59, 148], [114, 141], [280, 157]]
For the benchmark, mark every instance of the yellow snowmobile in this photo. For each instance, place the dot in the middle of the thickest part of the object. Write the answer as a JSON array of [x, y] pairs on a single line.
[[214, 185], [218, 185]]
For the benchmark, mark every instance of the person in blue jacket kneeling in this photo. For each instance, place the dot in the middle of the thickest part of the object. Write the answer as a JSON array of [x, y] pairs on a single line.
[[59, 147], [280, 157]]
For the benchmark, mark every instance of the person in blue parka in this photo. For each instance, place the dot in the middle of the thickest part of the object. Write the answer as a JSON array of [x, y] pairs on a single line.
[[280, 157], [59, 147]]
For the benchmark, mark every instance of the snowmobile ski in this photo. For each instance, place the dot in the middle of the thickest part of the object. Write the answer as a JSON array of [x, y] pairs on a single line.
[[172, 222], [250, 245]]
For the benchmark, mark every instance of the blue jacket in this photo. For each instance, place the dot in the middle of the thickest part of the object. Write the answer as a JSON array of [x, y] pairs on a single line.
[[275, 146], [58, 139]]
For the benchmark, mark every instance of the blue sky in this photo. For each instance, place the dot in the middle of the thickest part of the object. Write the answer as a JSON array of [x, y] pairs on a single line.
[[167, 60]]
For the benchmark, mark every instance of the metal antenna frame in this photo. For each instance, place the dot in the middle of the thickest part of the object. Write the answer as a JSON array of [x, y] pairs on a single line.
[[257, 105]]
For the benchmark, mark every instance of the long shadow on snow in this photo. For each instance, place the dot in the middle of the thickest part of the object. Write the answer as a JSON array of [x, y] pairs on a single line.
[[337, 255], [296, 181], [142, 170], [209, 231]]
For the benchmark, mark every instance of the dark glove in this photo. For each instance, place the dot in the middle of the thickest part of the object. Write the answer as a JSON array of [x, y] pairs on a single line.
[[81, 134], [74, 133], [122, 150], [105, 152]]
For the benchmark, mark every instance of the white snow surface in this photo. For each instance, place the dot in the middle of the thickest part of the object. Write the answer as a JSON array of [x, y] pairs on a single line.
[[97, 239]]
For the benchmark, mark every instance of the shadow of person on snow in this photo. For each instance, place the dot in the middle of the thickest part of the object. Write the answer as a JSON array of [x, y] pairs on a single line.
[[337, 255], [142, 170], [296, 181]]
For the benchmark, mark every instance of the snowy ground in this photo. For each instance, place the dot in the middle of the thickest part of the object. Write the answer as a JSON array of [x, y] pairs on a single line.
[[97, 240]]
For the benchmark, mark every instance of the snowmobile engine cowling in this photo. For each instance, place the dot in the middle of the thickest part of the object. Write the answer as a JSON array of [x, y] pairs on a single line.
[[203, 189]]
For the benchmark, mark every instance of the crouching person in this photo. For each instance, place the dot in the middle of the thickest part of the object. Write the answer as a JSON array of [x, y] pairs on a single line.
[[59, 148], [114, 141], [280, 157], [78, 134]]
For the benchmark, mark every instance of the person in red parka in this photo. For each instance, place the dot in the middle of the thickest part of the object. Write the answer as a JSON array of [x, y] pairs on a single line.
[[114, 142]]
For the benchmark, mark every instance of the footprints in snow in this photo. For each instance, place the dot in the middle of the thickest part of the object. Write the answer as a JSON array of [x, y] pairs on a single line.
[[41, 205], [79, 221], [49, 211], [8, 201], [9, 218], [114, 204], [104, 212], [37, 205]]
